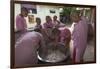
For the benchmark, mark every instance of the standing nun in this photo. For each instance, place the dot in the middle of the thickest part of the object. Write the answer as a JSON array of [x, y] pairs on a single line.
[[21, 24], [78, 38]]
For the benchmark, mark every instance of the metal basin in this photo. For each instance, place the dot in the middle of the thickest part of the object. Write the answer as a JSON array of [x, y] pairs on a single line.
[[54, 54]]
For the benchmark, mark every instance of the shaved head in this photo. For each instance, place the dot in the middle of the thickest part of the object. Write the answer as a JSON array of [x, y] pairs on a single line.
[[75, 16]]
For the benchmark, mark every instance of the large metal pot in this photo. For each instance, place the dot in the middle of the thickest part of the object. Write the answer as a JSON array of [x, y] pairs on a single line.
[[54, 54]]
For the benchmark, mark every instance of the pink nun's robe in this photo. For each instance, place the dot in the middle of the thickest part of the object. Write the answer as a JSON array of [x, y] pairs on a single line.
[[79, 37], [38, 27], [48, 25], [26, 49], [56, 23], [47, 31], [21, 23], [20, 26], [65, 36]]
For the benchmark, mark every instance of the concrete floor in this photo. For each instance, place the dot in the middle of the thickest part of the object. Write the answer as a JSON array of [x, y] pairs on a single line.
[[90, 51]]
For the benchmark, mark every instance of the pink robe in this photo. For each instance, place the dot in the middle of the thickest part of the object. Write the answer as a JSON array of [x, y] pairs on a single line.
[[58, 24], [48, 25], [79, 37], [21, 23], [47, 31], [20, 26], [26, 48], [65, 36]]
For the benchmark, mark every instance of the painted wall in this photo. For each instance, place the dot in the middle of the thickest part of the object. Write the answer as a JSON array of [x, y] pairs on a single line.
[[16, 11], [42, 12]]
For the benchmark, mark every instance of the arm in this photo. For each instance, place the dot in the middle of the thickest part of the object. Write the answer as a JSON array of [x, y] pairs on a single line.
[[68, 37], [42, 44], [45, 29]]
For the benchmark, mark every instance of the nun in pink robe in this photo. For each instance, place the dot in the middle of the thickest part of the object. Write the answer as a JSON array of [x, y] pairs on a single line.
[[78, 38], [21, 24], [47, 26], [26, 49]]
